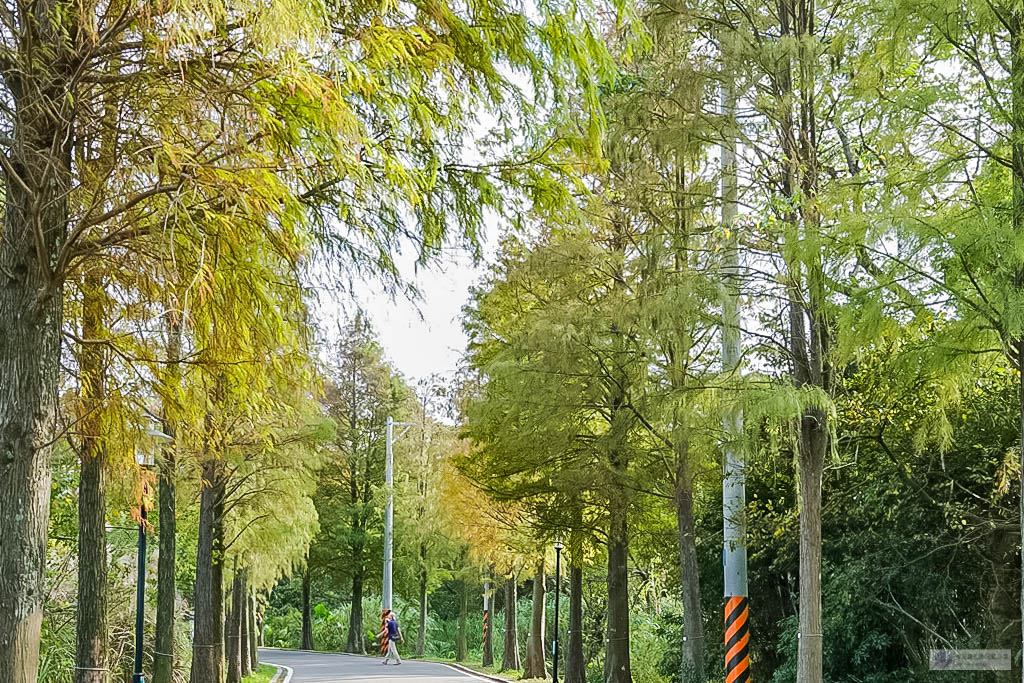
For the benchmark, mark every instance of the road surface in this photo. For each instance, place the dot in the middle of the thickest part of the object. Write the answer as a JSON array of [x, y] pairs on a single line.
[[317, 667]]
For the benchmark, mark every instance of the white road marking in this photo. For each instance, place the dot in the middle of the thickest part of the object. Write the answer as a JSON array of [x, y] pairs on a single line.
[[468, 675], [287, 678], [287, 671]]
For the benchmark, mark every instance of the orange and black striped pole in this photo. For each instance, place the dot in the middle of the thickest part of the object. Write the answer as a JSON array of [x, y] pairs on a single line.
[[487, 658], [737, 639], [734, 493], [384, 626], [487, 632]]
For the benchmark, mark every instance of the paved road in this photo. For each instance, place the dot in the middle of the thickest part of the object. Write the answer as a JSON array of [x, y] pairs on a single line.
[[316, 667]]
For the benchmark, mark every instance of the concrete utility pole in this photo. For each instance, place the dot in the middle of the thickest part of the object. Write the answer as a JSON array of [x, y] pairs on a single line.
[[389, 514], [488, 644], [734, 551]]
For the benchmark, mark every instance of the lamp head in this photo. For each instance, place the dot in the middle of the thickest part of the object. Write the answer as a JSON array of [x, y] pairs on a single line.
[[159, 436], [145, 452]]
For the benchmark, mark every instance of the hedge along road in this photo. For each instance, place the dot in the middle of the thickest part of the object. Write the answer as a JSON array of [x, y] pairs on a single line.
[[323, 667]]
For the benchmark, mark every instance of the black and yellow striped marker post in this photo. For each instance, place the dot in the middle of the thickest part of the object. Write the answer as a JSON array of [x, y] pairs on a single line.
[[384, 638], [737, 640]]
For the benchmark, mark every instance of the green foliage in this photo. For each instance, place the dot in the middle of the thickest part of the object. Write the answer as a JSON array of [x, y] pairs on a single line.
[[263, 675]]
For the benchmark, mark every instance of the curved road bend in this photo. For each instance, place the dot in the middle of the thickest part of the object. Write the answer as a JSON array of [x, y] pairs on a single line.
[[322, 667]]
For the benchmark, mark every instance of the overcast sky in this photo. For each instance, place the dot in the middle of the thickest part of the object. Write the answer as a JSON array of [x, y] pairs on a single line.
[[425, 337], [420, 338]]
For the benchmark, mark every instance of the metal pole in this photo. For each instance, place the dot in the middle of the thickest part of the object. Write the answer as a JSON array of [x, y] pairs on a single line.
[[558, 595], [487, 623], [389, 514], [140, 597], [734, 551]]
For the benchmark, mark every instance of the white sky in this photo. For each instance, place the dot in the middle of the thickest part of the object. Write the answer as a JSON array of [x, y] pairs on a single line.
[[424, 337]]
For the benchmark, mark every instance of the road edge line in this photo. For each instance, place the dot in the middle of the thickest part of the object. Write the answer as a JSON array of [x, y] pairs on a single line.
[[470, 672], [283, 675], [466, 671]]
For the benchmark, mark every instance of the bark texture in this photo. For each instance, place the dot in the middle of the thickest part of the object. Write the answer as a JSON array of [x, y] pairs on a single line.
[[575, 666], [1002, 627], [254, 636], [91, 612], [460, 635], [166, 590], [243, 625], [510, 653], [1015, 19], [536, 662], [307, 612], [812, 460], [809, 335], [208, 644], [163, 657], [693, 616], [355, 643], [33, 231], [421, 638], [616, 663], [616, 445], [232, 630]]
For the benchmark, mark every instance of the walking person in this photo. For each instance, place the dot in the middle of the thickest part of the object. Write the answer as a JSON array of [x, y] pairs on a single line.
[[394, 634]]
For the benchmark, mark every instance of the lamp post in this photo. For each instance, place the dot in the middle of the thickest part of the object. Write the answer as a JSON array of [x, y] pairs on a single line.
[[558, 595], [389, 513], [145, 458]]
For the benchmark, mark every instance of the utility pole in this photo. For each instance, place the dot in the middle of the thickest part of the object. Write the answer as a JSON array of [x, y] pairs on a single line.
[[488, 642], [734, 551], [389, 514]]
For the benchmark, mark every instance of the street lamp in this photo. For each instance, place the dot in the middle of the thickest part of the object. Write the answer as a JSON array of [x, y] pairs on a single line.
[[389, 514], [144, 456], [558, 594]]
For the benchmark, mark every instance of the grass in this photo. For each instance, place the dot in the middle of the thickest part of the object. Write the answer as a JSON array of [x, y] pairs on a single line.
[[264, 675]]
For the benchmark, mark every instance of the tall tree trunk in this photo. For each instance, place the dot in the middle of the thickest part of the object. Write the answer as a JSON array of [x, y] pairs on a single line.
[[536, 664], [421, 638], [575, 666], [91, 612], [254, 636], [31, 296], [163, 658], [693, 615], [208, 641], [510, 653], [1019, 186], [233, 633], [616, 445], [1003, 630], [243, 625], [812, 459], [166, 591], [307, 613], [231, 638], [460, 635], [259, 623], [679, 356], [1015, 15], [355, 642], [808, 329], [616, 663]]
